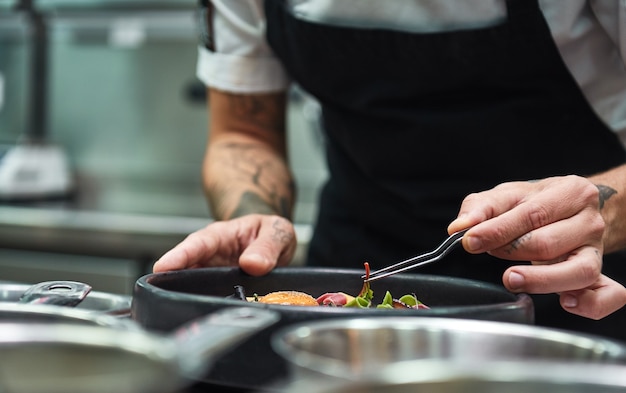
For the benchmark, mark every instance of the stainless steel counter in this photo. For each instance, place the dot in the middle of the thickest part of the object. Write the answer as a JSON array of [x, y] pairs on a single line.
[[116, 218], [125, 220]]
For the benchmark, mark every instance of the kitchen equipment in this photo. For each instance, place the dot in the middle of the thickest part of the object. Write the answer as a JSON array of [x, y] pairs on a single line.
[[355, 349], [94, 301], [58, 293], [35, 167], [37, 313], [66, 358], [477, 377], [163, 301], [419, 260], [33, 170]]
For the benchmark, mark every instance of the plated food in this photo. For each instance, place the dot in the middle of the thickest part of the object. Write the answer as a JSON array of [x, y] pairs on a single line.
[[294, 298], [333, 299]]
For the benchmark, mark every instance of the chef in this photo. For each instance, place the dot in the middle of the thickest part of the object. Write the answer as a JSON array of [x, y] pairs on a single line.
[[508, 117]]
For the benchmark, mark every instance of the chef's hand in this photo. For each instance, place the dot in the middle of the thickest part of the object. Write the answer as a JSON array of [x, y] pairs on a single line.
[[257, 243], [556, 223]]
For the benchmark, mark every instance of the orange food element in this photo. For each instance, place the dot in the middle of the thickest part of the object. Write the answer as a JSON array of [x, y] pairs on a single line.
[[292, 298]]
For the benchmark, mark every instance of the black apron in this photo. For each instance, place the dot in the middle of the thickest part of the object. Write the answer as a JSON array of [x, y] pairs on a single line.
[[415, 122]]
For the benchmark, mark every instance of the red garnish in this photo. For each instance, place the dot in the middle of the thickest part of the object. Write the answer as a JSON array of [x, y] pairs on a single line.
[[365, 290]]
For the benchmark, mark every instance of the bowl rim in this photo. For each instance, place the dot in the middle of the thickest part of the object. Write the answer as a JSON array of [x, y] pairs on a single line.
[[517, 300], [281, 338], [437, 373]]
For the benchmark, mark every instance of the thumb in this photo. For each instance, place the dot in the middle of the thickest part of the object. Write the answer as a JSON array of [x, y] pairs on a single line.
[[257, 261], [274, 245]]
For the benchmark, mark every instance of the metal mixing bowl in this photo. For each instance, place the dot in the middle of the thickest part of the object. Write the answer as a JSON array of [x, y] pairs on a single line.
[[355, 349], [436, 376]]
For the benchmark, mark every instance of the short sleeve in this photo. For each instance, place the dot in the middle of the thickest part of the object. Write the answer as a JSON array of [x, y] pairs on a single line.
[[235, 55]]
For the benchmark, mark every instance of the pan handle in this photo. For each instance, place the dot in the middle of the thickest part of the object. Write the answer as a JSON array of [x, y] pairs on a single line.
[[58, 293], [202, 340]]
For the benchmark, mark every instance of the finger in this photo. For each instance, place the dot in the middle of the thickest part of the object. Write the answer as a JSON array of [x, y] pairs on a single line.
[[595, 302], [580, 270], [512, 228], [511, 210], [553, 241], [275, 244], [482, 206], [188, 254]]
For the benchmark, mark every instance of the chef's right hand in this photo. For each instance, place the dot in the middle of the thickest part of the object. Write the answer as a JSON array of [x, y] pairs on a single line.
[[257, 243], [556, 223]]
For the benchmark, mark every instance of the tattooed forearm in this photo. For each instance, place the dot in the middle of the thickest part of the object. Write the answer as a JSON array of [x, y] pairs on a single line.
[[257, 110], [253, 203], [257, 182], [606, 192]]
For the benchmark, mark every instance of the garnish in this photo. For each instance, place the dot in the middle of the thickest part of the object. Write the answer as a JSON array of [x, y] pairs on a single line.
[[340, 299], [364, 298]]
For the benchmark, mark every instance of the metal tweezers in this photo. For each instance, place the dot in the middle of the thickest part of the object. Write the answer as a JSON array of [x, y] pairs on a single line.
[[419, 260]]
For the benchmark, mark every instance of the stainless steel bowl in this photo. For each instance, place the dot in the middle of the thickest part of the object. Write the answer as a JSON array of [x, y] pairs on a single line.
[[79, 358], [355, 349], [436, 376], [48, 314]]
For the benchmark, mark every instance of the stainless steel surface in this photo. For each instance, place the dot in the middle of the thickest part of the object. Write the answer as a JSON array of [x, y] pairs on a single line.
[[419, 260], [106, 274], [138, 236], [117, 4], [104, 4], [353, 349], [58, 293], [477, 377], [93, 232], [51, 358], [95, 301], [34, 313]]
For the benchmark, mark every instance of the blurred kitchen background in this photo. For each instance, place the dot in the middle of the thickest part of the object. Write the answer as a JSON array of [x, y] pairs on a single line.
[[109, 88]]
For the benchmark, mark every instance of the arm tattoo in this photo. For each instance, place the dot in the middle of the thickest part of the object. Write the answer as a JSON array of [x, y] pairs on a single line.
[[251, 202], [269, 189], [606, 192], [256, 110]]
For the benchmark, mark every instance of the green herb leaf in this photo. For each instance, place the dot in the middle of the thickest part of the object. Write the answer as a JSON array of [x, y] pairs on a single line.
[[387, 300], [409, 300], [359, 302]]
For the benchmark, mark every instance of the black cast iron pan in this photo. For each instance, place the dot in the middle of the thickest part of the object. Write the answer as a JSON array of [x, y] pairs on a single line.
[[164, 301]]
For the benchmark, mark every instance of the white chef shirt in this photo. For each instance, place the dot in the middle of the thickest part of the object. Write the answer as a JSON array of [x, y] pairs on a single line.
[[590, 35]]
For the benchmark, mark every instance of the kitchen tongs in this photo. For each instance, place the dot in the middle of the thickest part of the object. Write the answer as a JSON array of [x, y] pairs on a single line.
[[419, 260]]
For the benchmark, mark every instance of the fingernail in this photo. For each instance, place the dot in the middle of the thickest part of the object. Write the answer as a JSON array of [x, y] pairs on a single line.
[[516, 280], [473, 243], [569, 301]]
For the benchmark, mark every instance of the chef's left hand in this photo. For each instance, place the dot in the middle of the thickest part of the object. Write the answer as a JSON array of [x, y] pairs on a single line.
[[556, 223]]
